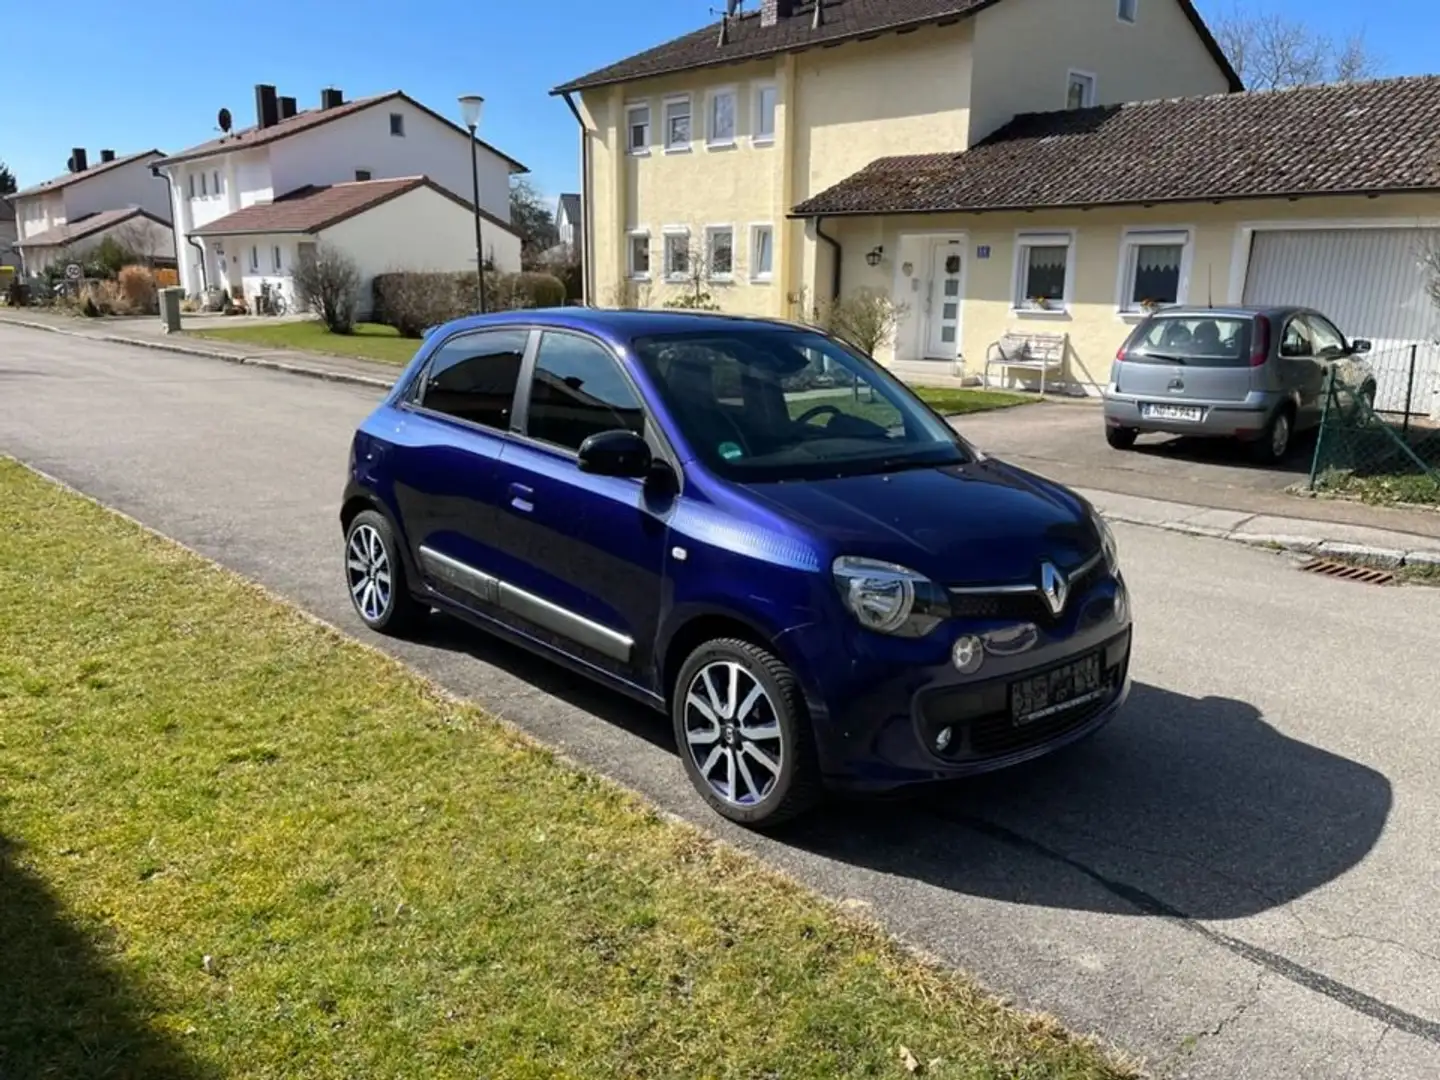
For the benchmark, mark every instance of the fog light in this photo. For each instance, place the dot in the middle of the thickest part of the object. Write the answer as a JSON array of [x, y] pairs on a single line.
[[943, 739], [968, 654]]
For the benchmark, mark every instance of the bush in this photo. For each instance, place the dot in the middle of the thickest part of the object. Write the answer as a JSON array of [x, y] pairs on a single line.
[[136, 288], [413, 301], [328, 281], [867, 319]]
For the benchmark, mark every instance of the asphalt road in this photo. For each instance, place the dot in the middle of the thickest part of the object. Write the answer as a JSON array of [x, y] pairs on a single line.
[[1237, 879]]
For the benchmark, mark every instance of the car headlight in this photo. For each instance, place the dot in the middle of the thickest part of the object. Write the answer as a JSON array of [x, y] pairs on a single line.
[[889, 599], [1108, 546]]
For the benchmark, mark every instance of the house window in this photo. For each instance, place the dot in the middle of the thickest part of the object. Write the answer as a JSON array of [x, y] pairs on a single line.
[[192, 185], [275, 258], [720, 252], [1043, 277], [254, 258], [1080, 93], [637, 128], [764, 113], [1127, 10], [361, 175], [677, 124], [215, 186], [640, 255], [762, 252], [397, 124], [203, 191], [1153, 266], [722, 119], [677, 254]]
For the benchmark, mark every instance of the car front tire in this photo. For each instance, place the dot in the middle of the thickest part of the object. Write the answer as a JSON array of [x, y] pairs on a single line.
[[743, 734], [375, 577]]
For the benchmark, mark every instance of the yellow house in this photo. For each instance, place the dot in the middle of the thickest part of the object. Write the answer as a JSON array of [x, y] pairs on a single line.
[[1003, 169]]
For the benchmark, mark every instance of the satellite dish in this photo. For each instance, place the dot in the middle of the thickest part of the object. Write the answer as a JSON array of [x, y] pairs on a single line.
[[224, 120], [70, 163]]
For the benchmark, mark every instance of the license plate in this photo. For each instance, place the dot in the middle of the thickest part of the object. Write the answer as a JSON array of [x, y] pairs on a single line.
[[1188, 413], [1063, 688]]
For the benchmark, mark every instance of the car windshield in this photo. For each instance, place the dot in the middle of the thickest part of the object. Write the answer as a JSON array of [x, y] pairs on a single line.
[[1199, 340], [782, 404]]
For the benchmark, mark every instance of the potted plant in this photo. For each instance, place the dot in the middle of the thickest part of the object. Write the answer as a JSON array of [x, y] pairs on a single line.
[[1150, 306], [1040, 303]]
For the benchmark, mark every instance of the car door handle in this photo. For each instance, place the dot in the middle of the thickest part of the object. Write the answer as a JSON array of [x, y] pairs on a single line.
[[522, 498]]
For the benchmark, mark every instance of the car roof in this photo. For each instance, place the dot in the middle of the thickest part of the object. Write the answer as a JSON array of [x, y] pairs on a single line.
[[619, 326], [1190, 311]]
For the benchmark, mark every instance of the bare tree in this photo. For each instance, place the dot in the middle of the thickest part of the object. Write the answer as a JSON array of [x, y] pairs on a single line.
[[327, 280], [692, 278], [1428, 256], [866, 318], [1270, 50]]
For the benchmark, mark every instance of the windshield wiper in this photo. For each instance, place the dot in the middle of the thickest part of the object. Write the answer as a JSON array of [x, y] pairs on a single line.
[[1162, 358]]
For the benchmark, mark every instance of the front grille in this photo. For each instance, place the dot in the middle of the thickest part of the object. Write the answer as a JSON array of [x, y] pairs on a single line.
[[1022, 606]]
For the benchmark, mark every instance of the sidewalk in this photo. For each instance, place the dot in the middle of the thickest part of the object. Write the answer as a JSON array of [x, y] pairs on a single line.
[[1259, 525]]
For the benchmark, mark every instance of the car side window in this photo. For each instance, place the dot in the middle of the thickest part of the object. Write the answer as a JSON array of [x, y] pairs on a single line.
[[1296, 342], [578, 390], [1329, 342], [473, 377]]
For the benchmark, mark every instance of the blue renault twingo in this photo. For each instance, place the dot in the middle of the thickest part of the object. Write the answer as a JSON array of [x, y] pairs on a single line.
[[748, 525]]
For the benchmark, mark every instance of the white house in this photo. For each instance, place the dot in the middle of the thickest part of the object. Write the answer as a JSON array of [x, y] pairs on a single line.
[[136, 230], [9, 253], [409, 222], [569, 228], [55, 214], [308, 164]]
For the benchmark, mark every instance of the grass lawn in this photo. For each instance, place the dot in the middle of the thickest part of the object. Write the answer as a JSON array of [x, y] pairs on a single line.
[[370, 341], [954, 402], [234, 843]]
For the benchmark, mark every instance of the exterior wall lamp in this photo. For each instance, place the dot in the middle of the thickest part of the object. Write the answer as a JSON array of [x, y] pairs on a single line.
[[875, 254]]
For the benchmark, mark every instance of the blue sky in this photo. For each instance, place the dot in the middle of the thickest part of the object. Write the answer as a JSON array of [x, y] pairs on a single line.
[[141, 77]]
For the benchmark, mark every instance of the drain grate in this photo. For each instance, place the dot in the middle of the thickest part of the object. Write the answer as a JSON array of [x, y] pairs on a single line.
[[1365, 575]]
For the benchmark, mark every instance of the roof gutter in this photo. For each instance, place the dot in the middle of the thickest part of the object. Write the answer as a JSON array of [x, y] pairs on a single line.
[[835, 247], [587, 287]]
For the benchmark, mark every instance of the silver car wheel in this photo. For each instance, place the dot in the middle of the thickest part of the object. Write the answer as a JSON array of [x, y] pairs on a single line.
[[1280, 436], [733, 734], [367, 569]]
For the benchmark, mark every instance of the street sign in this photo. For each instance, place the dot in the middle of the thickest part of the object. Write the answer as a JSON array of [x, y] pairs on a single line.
[[73, 272]]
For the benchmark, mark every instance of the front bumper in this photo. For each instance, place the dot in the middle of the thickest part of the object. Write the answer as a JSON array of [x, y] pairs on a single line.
[[1233, 419], [878, 711]]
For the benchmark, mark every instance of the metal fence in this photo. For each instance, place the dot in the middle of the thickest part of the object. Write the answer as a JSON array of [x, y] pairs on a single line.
[[1383, 447]]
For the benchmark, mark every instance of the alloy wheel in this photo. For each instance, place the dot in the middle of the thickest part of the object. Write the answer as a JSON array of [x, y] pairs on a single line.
[[367, 569], [733, 734], [1280, 436]]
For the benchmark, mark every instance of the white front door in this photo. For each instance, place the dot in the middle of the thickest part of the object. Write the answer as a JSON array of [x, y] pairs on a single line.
[[942, 330]]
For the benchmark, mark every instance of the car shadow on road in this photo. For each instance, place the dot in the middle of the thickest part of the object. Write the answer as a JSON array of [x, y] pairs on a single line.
[[1228, 453], [66, 1011], [1181, 807]]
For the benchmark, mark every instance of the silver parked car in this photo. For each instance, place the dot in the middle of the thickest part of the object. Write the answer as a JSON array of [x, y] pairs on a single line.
[[1256, 374]]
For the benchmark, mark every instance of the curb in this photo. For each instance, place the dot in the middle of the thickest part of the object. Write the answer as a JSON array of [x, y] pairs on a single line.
[[326, 374], [1383, 557]]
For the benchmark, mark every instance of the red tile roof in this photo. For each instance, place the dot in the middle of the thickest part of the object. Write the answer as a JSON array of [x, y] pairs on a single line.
[[1357, 138], [97, 169], [313, 118], [841, 20], [88, 225], [310, 209]]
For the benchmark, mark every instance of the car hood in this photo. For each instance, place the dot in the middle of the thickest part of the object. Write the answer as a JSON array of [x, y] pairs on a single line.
[[981, 522]]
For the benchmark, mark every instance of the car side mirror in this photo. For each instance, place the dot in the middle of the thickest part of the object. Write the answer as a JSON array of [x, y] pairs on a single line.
[[616, 453], [1360, 345]]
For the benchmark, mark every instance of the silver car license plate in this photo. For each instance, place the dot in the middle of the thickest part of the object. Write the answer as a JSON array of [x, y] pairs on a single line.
[[1191, 414]]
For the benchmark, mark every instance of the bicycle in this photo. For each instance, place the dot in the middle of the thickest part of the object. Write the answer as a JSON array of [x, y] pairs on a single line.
[[271, 300]]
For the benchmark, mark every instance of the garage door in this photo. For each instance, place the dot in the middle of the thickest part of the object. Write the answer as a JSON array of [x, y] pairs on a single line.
[[1369, 282]]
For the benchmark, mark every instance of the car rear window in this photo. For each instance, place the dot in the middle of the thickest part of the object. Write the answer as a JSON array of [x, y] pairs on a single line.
[[1202, 340]]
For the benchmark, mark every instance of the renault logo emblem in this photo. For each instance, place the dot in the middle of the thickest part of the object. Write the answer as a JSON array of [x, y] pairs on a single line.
[[1054, 588]]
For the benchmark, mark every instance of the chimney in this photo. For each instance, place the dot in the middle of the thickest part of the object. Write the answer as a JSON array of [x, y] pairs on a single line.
[[77, 159], [772, 11], [331, 98], [287, 108], [267, 109], [107, 155]]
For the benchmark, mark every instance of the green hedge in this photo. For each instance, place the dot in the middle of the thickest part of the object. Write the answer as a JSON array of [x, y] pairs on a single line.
[[412, 301]]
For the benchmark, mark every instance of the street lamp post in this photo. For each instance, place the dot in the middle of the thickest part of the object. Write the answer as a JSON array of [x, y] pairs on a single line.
[[470, 106]]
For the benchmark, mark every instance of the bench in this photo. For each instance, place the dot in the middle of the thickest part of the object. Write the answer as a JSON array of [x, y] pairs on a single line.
[[1029, 352]]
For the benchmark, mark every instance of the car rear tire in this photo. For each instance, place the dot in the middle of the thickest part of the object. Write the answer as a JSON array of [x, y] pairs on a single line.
[[744, 735], [375, 577], [1274, 442], [1121, 438]]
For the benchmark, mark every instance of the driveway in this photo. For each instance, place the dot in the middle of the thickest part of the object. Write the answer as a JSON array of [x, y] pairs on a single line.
[[1066, 441], [1236, 879]]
